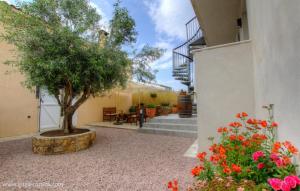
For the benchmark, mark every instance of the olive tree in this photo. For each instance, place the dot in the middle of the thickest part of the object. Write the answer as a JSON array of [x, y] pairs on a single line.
[[58, 46]]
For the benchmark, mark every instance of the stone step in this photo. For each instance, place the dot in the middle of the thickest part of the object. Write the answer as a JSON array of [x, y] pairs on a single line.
[[178, 133], [171, 126]]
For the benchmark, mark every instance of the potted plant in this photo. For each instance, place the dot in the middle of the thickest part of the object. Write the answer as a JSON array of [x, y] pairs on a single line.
[[132, 109], [165, 108], [174, 108], [151, 110], [153, 95], [158, 110]]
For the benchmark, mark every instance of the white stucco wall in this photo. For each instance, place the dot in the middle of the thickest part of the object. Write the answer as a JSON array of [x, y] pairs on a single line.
[[275, 34], [225, 86]]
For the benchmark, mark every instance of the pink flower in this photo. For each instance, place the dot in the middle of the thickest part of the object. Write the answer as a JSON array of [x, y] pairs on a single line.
[[285, 186], [274, 156], [296, 178], [275, 183], [290, 181], [279, 162], [260, 165], [240, 189], [257, 155]]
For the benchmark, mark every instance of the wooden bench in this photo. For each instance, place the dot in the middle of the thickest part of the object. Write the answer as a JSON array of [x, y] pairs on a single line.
[[109, 113]]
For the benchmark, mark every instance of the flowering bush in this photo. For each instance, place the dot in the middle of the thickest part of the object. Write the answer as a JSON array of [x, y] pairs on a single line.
[[248, 151]]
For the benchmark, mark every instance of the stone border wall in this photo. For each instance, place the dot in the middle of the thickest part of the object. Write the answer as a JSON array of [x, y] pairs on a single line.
[[63, 144]]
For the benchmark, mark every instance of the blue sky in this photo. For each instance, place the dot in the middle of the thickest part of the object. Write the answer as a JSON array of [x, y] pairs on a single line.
[[160, 23]]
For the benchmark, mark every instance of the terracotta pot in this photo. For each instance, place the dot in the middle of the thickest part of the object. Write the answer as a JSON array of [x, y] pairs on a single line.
[[165, 110], [150, 112], [174, 110], [158, 111]]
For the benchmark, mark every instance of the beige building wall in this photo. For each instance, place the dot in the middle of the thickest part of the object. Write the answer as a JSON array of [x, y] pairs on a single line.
[[225, 86], [18, 106], [275, 34], [92, 109], [163, 96]]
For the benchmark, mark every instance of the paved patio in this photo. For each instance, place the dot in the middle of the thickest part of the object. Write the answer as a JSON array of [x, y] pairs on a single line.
[[120, 160]]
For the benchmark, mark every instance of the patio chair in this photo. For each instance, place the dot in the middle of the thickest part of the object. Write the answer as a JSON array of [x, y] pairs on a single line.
[[109, 113]]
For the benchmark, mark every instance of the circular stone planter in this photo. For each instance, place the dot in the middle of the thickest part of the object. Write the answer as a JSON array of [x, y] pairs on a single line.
[[49, 145]]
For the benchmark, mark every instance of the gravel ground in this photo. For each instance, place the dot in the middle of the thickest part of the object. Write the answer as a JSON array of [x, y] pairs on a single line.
[[120, 160]]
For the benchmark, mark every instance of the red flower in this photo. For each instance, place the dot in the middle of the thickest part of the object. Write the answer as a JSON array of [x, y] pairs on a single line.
[[173, 185], [235, 124], [213, 147], [246, 143], [276, 147], [227, 170], [259, 137], [236, 168], [241, 137], [286, 160], [232, 137], [274, 124], [222, 150], [244, 114], [263, 123], [241, 115], [222, 130], [197, 170], [214, 158], [260, 165], [252, 121], [291, 148], [201, 156]]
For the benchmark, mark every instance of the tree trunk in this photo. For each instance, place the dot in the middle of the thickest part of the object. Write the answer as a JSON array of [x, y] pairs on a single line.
[[67, 122], [69, 108]]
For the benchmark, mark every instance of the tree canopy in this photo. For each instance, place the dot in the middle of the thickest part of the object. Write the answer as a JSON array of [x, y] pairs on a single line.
[[60, 50], [142, 70]]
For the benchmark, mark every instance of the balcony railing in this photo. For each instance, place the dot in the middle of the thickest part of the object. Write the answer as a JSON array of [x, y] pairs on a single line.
[[183, 69]]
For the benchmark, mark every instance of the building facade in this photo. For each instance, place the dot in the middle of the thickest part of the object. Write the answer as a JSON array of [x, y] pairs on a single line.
[[251, 58]]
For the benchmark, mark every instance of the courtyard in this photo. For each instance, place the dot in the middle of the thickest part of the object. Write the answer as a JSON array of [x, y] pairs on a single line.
[[119, 160]]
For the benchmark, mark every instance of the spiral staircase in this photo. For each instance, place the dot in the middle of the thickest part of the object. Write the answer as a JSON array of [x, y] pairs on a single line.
[[183, 65]]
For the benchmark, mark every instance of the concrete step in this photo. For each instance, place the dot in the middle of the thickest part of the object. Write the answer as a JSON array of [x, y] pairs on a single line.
[[194, 109], [171, 126], [190, 121], [178, 133]]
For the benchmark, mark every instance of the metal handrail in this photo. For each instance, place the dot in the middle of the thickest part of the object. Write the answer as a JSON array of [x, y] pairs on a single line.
[[192, 19], [189, 41], [181, 54]]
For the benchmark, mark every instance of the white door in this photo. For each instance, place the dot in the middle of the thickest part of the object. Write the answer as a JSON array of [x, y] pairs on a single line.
[[50, 112]]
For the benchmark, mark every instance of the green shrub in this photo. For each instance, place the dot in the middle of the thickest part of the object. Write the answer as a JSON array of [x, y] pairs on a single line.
[[151, 105], [132, 109], [153, 95], [165, 104]]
